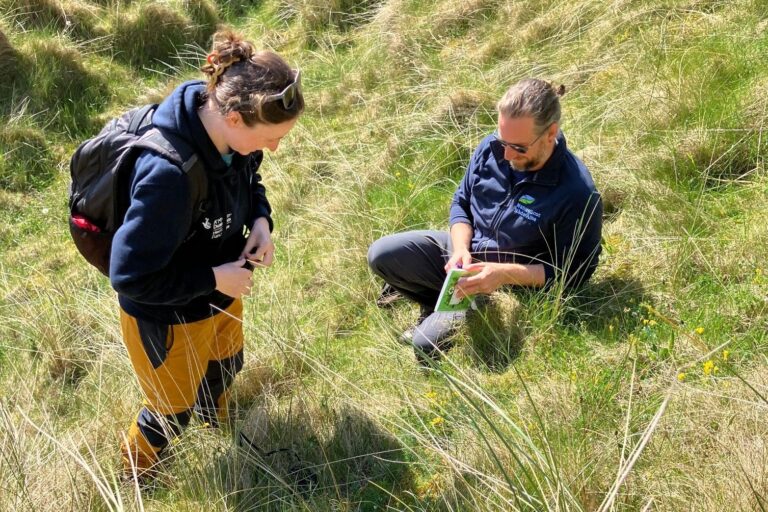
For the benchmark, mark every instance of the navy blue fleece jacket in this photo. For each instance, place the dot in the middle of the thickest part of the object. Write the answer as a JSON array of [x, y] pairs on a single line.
[[163, 254], [552, 216]]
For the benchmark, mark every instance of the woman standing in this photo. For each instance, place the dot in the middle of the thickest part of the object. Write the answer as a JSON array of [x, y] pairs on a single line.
[[180, 270]]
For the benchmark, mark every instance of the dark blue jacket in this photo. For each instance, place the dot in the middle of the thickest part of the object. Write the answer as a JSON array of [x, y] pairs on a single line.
[[552, 216], [161, 264]]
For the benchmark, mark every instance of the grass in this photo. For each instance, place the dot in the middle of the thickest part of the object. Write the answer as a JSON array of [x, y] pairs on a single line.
[[645, 390]]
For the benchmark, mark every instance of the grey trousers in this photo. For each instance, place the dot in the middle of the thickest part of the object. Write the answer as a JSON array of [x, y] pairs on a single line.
[[413, 263]]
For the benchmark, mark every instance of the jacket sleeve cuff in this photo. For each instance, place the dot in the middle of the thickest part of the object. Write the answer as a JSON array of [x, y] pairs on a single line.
[[263, 212]]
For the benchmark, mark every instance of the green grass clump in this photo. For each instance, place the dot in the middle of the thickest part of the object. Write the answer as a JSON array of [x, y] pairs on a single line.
[[163, 31], [78, 19], [645, 389], [30, 14], [317, 15], [28, 163], [10, 61], [59, 81]]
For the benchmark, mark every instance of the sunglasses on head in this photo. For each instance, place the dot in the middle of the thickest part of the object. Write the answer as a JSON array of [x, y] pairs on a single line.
[[517, 147], [287, 96]]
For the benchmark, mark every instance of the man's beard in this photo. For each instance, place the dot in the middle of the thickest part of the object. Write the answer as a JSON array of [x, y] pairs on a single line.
[[530, 164]]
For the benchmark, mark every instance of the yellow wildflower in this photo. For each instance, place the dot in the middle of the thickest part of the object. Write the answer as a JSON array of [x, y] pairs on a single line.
[[699, 330], [437, 421], [645, 321], [681, 377], [725, 355], [397, 175], [431, 395], [651, 322], [708, 367]]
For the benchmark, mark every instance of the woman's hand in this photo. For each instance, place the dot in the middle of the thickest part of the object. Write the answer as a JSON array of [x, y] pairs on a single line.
[[233, 279], [259, 249]]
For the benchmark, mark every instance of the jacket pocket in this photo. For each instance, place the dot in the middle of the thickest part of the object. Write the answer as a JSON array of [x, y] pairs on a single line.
[[157, 340]]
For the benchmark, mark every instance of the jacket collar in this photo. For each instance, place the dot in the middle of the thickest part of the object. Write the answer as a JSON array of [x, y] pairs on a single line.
[[178, 114]]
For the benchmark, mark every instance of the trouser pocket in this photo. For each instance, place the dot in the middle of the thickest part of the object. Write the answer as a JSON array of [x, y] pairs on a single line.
[[157, 340]]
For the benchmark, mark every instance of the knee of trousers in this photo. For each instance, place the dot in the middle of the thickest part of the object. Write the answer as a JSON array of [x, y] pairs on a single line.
[[158, 429], [381, 254]]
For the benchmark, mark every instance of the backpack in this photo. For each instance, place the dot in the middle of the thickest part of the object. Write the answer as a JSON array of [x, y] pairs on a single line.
[[101, 168]]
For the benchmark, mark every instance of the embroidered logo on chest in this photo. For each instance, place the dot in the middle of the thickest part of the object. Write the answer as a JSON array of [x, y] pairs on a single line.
[[526, 213]]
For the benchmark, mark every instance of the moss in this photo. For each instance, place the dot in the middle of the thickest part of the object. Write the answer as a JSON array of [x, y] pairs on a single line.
[[27, 163]]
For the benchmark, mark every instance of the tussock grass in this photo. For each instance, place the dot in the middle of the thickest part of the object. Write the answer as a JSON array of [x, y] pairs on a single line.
[[78, 19], [643, 390], [9, 62], [163, 29], [316, 15], [28, 163]]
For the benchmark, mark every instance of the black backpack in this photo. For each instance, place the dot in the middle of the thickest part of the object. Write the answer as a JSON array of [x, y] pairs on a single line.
[[101, 168]]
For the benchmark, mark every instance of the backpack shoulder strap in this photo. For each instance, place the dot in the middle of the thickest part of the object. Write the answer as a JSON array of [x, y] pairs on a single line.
[[156, 141], [138, 116]]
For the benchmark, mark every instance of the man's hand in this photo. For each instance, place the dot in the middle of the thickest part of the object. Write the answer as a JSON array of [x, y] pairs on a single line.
[[460, 258], [259, 249], [489, 277], [233, 279]]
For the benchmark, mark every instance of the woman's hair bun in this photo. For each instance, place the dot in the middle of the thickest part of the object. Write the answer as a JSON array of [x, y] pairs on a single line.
[[228, 48]]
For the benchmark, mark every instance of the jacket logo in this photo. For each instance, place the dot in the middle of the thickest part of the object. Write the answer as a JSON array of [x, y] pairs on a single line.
[[526, 213], [207, 223], [526, 199], [218, 228]]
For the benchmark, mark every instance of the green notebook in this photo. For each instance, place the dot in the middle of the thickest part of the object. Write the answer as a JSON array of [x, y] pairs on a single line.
[[447, 302]]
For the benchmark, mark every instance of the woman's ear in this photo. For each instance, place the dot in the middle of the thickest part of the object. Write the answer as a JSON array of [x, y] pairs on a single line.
[[234, 119]]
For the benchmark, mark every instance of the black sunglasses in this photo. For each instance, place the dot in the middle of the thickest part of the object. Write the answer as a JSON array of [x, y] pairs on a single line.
[[517, 147], [288, 95]]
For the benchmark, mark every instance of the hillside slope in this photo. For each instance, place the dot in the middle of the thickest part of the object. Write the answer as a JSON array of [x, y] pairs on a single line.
[[645, 391]]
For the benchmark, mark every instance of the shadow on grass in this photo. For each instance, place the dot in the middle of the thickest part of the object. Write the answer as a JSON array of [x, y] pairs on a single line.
[[308, 456], [497, 331], [495, 334], [606, 305]]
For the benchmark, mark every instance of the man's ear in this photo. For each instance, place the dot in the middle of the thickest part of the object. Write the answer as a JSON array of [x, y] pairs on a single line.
[[234, 119], [552, 131]]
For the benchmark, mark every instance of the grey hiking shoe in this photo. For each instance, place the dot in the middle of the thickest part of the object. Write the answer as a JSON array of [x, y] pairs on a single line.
[[406, 338], [431, 335]]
